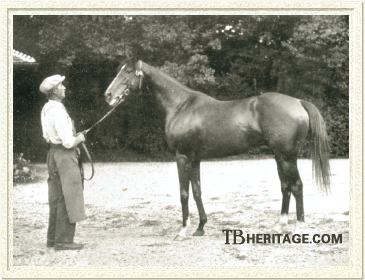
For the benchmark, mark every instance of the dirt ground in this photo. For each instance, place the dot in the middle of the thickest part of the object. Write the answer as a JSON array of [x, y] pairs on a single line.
[[134, 213]]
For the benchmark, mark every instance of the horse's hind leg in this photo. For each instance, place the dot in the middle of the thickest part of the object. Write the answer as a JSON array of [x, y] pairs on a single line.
[[184, 171], [286, 193], [195, 183], [290, 183]]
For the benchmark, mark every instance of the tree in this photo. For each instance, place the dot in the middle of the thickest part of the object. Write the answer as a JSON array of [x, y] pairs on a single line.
[[228, 57], [320, 45]]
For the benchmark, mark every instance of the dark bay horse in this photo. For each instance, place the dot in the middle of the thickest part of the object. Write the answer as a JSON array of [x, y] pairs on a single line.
[[198, 126]]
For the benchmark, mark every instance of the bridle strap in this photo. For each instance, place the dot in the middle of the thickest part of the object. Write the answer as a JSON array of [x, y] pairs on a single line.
[[139, 73]]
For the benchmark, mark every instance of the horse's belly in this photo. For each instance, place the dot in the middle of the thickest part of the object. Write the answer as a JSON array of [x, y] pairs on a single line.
[[230, 142]]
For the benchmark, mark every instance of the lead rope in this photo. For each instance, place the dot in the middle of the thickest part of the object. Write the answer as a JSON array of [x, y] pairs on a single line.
[[89, 157], [84, 147], [139, 73]]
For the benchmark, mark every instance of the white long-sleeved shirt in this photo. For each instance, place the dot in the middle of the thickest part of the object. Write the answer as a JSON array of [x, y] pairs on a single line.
[[57, 125]]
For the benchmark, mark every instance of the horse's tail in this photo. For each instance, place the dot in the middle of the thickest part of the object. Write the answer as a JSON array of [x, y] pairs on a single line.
[[319, 147]]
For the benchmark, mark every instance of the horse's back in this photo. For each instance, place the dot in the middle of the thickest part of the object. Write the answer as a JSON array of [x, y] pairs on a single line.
[[217, 128]]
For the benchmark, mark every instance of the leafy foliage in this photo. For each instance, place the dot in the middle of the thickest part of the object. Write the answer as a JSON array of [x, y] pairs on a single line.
[[321, 45], [228, 57], [22, 170]]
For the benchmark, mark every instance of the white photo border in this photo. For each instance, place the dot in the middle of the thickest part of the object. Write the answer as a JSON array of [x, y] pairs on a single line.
[[355, 11]]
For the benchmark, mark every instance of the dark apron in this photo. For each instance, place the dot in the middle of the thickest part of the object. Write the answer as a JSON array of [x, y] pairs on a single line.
[[63, 165]]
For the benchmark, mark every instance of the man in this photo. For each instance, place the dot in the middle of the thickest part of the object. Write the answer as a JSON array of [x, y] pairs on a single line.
[[65, 186]]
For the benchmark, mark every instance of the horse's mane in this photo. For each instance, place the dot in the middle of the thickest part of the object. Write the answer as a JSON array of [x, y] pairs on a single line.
[[170, 79], [176, 83]]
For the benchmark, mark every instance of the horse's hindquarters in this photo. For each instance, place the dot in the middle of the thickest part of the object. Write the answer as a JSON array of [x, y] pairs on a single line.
[[283, 121]]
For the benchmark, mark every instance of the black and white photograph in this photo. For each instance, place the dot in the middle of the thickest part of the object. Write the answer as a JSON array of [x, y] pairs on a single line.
[[159, 143]]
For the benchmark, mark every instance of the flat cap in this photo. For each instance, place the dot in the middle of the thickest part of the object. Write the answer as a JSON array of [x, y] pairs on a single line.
[[50, 83]]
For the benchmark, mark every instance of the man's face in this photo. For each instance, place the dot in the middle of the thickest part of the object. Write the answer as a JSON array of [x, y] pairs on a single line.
[[60, 91]]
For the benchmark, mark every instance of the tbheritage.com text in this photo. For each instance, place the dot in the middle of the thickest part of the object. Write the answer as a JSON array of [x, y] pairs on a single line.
[[238, 237]]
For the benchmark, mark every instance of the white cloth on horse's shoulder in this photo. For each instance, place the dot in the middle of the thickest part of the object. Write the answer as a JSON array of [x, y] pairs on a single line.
[[57, 126]]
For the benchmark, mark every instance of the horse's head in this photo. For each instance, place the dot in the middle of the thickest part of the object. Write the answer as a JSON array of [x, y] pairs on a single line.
[[128, 79]]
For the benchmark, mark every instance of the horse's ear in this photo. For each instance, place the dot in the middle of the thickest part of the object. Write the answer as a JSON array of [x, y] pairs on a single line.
[[121, 65], [127, 62]]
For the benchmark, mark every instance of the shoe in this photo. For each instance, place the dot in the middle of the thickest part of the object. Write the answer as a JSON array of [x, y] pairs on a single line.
[[68, 246]]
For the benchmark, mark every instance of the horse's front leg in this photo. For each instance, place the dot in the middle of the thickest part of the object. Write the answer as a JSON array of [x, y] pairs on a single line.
[[195, 183], [184, 171]]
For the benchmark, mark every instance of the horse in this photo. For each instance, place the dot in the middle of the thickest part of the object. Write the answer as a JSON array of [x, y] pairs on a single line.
[[198, 126]]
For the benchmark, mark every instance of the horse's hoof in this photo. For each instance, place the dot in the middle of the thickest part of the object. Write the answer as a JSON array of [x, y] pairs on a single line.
[[278, 228], [179, 238], [300, 228], [283, 220], [199, 232]]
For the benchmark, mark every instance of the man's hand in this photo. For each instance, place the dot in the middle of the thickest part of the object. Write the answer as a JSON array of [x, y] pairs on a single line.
[[80, 137]]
